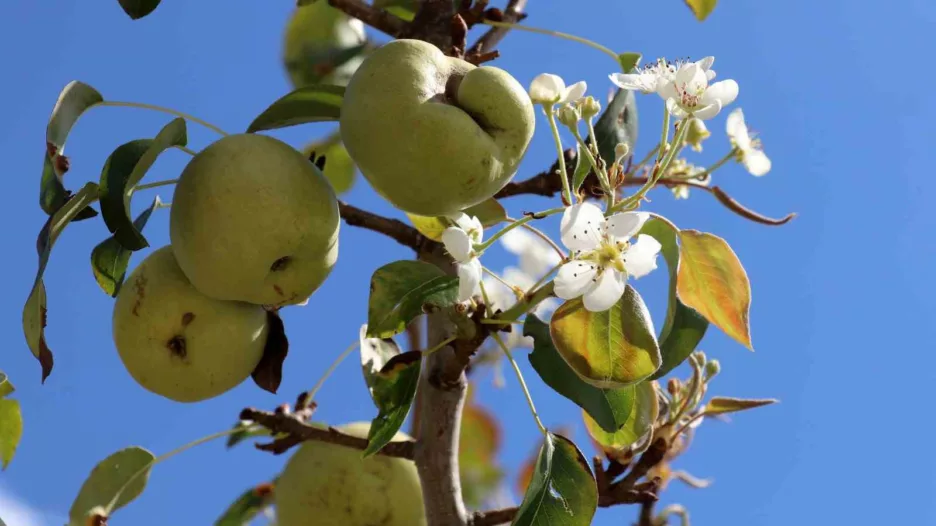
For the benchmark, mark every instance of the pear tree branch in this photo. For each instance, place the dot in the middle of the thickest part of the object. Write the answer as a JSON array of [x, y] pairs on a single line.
[[377, 18], [513, 13], [393, 228]]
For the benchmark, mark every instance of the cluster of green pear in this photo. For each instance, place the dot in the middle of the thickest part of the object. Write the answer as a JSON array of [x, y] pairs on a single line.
[[254, 224]]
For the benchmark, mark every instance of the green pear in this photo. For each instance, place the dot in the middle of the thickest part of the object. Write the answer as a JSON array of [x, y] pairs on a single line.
[[179, 343], [315, 36], [329, 485], [434, 134], [254, 220]]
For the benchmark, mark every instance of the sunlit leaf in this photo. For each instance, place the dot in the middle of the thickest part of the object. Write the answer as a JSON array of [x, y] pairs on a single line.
[[34, 312], [405, 9], [399, 292], [609, 407], [629, 61], [394, 390], [562, 491], [721, 404], [609, 349], [683, 327], [712, 281], [247, 506], [701, 8], [489, 213], [646, 408], [269, 371], [137, 9], [6, 386], [11, 429], [339, 167], [375, 353], [109, 259], [307, 104], [123, 473]]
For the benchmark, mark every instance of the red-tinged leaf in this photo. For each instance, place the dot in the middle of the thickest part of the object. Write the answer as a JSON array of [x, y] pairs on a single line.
[[250, 504], [712, 281], [269, 372], [720, 405]]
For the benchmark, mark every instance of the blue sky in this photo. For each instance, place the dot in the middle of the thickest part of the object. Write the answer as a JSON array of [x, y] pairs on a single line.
[[841, 294]]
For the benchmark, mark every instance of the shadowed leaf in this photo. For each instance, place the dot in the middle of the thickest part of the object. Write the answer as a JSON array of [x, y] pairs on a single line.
[[109, 259], [618, 124], [712, 281], [246, 432], [11, 429], [646, 408], [719, 404], [125, 167], [609, 407], [609, 349], [269, 371], [393, 393], [399, 291], [308, 104], [683, 328], [405, 9], [562, 491], [339, 167], [137, 9], [375, 354], [124, 472], [248, 505]]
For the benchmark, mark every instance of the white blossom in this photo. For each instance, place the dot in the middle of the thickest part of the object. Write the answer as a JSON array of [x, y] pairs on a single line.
[[604, 256], [550, 89], [689, 93], [459, 241], [683, 170], [654, 76], [749, 148]]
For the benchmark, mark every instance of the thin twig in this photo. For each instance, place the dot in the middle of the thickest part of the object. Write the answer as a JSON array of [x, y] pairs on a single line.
[[392, 228], [377, 18], [299, 431], [512, 14]]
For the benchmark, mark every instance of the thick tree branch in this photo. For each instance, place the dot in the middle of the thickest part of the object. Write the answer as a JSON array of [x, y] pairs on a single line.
[[376, 18], [512, 14], [298, 431], [392, 228]]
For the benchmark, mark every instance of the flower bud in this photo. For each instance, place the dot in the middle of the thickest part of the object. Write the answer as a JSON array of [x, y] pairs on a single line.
[[712, 368], [590, 107], [569, 115], [696, 134], [621, 151]]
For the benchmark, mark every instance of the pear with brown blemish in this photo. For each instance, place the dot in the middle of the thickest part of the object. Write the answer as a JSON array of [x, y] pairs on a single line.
[[177, 342]]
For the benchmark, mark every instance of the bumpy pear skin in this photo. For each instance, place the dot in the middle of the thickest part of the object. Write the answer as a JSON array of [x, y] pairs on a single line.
[[177, 342], [329, 485], [434, 134], [316, 33], [254, 220]]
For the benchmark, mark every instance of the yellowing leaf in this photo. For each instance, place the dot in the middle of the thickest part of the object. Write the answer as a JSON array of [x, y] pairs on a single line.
[[609, 349], [490, 213], [11, 430], [701, 8], [719, 404], [712, 281]]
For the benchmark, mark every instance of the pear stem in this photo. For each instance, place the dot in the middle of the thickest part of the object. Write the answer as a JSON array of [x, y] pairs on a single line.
[[331, 369], [155, 184], [557, 34], [162, 109]]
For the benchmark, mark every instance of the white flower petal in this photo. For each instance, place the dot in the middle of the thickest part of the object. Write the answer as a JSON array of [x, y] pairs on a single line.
[[675, 109], [574, 279], [756, 162], [582, 227], [574, 92], [646, 82], [706, 63], [707, 112], [725, 91], [546, 88], [667, 90], [624, 225], [640, 258], [457, 243], [736, 128], [609, 289], [469, 279]]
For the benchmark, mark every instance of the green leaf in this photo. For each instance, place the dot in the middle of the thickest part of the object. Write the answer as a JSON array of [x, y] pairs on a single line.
[[34, 312], [6, 386], [11, 430], [247, 506], [109, 259], [339, 167], [125, 167], [399, 292], [137, 9], [246, 431], [74, 100], [610, 408], [375, 354], [489, 212], [582, 168], [562, 491], [124, 472], [645, 411], [269, 371], [712, 281], [629, 61], [683, 328], [405, 9], [394, 390], [701, 8], [609, 349], [307, 104], [618, 124], [720, 404]]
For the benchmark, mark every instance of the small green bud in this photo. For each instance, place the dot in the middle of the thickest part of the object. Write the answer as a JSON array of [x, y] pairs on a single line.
[[712, 368], [590, 107], [568, 115], [696, 134], [621, 151]]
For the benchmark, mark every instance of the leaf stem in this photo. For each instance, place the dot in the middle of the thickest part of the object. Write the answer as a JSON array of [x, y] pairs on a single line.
[[526, 391], [440, 345], [189, 151], [563, 174], [542, 236], [643, 161], [518, 222], [331, 369], [557, 34], [721, 162], [658, 171], [523, 307], [602, 174], [155, 184], [162, 109], [498, 278]]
